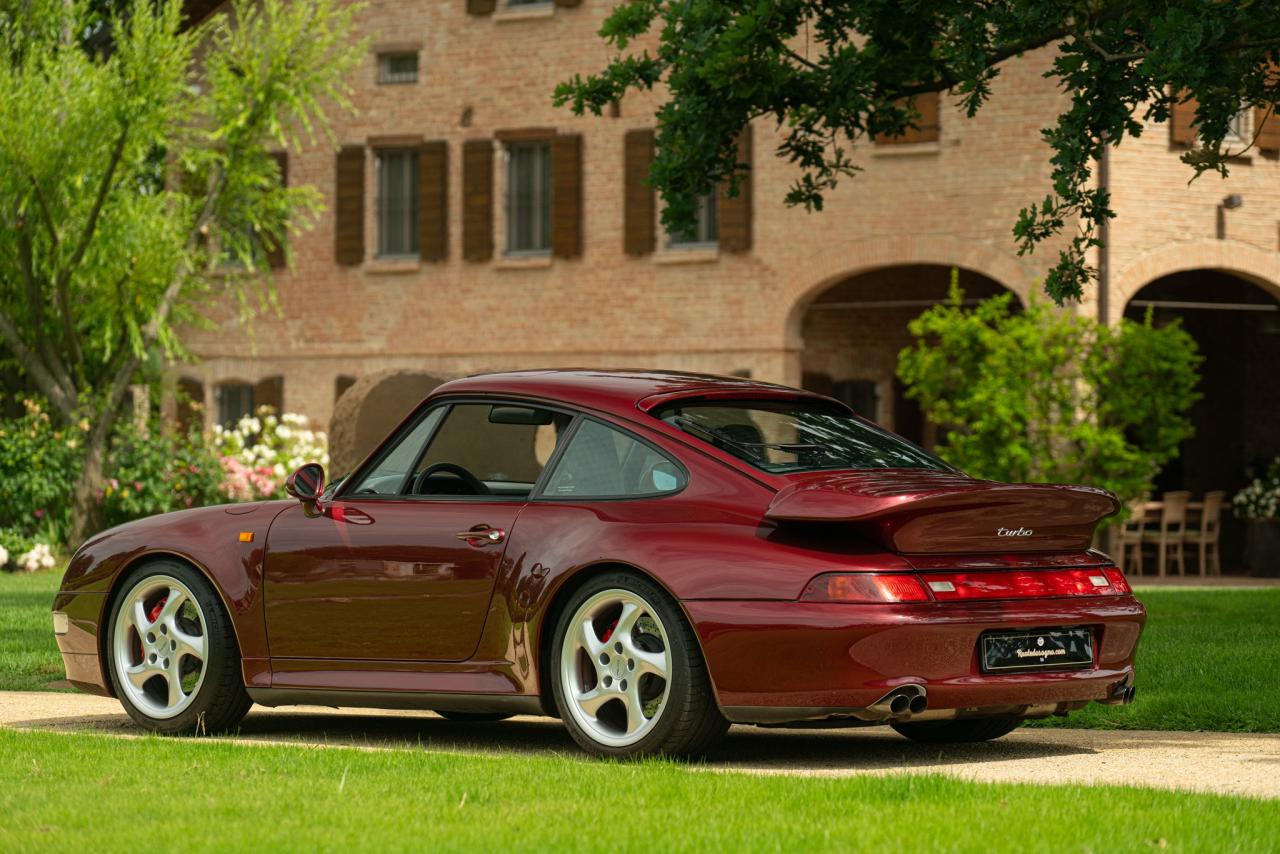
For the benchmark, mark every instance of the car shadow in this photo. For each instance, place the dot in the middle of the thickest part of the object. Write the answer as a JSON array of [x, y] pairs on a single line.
[[744, 748]]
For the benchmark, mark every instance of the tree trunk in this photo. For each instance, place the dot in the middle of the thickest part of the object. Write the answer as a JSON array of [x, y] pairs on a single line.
[[86, 503]]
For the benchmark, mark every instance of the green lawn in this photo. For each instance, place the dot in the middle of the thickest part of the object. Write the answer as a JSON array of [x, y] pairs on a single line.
[[29, 658], [87, 792], [1209, 658]]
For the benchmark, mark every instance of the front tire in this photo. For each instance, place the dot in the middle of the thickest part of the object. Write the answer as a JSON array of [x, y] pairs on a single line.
[[627, 672], [172, 651], [966, 730]]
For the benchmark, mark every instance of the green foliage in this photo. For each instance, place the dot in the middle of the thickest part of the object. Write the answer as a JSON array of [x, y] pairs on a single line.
[[153, 472], [39, 460], [1043, 395], [832, 72]]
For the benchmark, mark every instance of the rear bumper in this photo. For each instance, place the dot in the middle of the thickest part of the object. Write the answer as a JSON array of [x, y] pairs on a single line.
[[772, 662], [79, 644]]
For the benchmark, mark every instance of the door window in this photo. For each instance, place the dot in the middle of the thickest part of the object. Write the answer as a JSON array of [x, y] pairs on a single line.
[[602, 462], [489, 449], [388, 476]]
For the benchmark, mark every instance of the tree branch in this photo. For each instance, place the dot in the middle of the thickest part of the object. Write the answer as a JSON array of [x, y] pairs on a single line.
[[64, 275], [35, 368], [35, 305]]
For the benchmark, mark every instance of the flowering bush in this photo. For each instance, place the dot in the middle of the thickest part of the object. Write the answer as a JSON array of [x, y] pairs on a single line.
[[39, 463], [260, 451], [155, 472], [1260, 500], [19, 553]]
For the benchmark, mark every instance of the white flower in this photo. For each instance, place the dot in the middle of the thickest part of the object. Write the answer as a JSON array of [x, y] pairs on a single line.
[[40, 557]]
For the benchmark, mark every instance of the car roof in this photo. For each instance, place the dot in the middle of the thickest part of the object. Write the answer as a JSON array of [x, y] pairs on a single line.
[[620, 392]]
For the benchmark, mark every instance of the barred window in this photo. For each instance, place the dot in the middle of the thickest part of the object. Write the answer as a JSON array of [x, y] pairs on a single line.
[[400, 67], [529, 197]]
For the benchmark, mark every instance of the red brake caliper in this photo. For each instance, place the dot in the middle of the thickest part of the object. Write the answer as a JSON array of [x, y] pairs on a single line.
[[608, 633], [154, 614]]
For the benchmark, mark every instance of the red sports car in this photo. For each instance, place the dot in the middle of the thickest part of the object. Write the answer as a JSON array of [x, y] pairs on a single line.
[[647, 556]]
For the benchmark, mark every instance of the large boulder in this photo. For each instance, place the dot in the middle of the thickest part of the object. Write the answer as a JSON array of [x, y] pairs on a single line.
[[368, 410]]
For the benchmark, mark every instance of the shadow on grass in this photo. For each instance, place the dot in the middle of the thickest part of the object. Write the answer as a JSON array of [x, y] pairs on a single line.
[[744, 748]]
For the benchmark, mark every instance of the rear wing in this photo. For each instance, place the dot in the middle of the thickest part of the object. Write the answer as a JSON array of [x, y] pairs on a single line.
[[922, 512]]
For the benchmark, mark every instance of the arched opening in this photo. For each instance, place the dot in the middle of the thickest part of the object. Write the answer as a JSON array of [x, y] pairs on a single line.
[[854, 330], [1236, 324]]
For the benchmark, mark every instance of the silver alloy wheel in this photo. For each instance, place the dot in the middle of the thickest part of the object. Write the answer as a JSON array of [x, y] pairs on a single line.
[[615, 667], [159, 645]]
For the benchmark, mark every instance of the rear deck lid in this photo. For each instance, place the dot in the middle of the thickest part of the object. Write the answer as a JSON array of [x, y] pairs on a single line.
[[918, 511]]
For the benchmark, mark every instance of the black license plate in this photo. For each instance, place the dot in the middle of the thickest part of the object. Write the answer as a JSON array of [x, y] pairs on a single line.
[[1037, 649]]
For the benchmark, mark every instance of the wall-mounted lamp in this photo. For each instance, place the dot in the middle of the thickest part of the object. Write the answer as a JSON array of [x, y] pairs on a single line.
[[1229, 203]]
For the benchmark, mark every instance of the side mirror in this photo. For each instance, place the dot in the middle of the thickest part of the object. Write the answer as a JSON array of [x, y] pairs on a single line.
[[306, 483]]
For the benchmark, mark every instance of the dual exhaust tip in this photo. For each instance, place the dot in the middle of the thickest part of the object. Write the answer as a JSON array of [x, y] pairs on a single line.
[[906, 700]]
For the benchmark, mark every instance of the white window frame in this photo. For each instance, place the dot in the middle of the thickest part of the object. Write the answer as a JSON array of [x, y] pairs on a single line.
[[706, 233], [411, 246], [539, 243]]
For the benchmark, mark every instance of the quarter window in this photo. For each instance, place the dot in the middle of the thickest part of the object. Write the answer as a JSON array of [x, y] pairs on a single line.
[[529, 197], [397, 202], [601, 462], [705, 229]]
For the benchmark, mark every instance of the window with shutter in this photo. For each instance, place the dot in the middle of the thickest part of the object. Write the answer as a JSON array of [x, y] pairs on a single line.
[[477, 200], [481, 7], [566, 196], [735, 212], [348, 219], [234, 401], [397, 205], [638, 197], [928, 127], [433, 193], [528, 205]]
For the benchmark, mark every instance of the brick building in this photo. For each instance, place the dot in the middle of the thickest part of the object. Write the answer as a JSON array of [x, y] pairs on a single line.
[[472, 226]]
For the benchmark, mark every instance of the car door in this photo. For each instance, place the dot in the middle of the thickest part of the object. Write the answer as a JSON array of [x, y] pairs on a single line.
[[400, 565]]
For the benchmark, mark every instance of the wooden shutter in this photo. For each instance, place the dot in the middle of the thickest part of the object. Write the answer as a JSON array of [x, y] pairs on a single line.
[[477, 200], [348, 218], [928, 125], [1182, 123], [568, 4], [269, 392], [1267, 127], [566, 196], [190, 404], [433, 201], [735, 213], [638, 197], [275, 248], [481, 7]]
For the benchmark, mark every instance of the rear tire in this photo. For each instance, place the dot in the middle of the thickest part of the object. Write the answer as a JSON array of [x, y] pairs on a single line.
[[628, 675], [966, 730], [172, 652]]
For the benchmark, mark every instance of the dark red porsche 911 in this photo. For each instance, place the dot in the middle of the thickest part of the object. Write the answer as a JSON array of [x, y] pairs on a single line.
[[647, 556]]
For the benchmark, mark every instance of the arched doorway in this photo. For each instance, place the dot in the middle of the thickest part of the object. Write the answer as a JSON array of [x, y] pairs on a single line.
[[854, 330], [1236, 323]]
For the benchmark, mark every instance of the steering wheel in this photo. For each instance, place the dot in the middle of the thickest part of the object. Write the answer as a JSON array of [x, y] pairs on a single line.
[[475, 484]]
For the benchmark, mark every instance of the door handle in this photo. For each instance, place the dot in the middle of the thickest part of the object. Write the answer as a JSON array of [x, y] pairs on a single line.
[[482, 535]]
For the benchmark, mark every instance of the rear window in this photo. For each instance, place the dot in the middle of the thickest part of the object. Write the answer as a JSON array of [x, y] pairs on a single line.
[[796, 436]]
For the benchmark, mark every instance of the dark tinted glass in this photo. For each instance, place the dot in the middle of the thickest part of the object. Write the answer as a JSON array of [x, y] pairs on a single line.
[[791, 436]]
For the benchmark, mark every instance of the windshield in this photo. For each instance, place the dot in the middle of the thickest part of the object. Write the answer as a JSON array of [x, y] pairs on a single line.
[[796, 436]]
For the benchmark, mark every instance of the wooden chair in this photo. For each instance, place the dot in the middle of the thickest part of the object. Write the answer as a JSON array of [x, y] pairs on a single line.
[[1130, 538], [1167, 537], [1205, 534]]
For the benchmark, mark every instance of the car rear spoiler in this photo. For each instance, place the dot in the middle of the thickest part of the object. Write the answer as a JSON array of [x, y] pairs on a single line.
[[923, 512]]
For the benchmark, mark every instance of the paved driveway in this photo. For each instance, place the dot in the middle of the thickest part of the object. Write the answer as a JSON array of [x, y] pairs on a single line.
[[1211, 762]]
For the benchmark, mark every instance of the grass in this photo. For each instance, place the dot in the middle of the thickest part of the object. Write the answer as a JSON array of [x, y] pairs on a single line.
[[1209, 659], [29, 658], [69, 792]]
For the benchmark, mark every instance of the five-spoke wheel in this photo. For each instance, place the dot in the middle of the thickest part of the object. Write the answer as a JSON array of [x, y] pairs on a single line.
[[173, 655], [628, 675]]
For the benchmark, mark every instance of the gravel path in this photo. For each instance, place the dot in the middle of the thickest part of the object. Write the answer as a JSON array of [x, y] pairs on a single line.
[[1210, 762]]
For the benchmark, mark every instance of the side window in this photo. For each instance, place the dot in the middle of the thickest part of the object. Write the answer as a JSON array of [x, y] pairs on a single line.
[[602, 462], [387, 477], [489, 449]]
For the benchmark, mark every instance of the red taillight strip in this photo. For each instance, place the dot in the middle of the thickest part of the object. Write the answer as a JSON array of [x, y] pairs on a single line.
[[1025, 584]]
